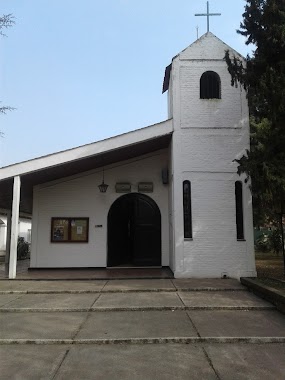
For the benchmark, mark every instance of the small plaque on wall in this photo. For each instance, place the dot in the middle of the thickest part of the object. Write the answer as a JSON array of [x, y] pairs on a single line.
[[145, 187], [123, 187]]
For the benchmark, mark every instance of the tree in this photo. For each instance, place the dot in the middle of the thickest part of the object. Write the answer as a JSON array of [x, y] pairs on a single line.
[[6, 21], [263, 77]]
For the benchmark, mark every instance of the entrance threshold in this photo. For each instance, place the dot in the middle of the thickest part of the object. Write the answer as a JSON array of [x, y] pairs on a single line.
[[114, 273], [134, 267]]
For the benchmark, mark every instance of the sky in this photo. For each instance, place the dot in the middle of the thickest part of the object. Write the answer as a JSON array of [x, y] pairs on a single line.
[[81, 71]]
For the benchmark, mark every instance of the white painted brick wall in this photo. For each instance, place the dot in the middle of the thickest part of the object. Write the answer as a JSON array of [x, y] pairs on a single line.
[[208, 136], [227, 112], [212, 150], [208, 47], [214, 248]]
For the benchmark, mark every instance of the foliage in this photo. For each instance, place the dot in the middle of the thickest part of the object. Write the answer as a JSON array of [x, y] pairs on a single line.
[[4, 109], [23, 249], [269, 241], [263, 77], [275, 241], [6, 21], [261, 244]]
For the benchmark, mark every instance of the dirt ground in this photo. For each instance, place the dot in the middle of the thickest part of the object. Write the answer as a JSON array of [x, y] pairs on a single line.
[[270, 271], [269, 266]]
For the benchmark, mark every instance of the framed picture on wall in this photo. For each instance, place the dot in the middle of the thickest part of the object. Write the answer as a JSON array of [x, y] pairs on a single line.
[[69, 230]]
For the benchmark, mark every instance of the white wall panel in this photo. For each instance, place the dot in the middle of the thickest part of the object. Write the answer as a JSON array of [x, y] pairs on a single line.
[[80, 197]]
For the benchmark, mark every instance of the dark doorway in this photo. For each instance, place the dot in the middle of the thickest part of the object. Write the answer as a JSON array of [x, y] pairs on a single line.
[[134, 232]]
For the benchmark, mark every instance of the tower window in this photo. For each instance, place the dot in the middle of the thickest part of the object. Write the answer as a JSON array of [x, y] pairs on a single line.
[[239, 210], [210, 86], [187, 212]]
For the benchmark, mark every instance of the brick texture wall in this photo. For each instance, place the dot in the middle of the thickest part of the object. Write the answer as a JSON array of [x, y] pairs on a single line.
[[208, 136]]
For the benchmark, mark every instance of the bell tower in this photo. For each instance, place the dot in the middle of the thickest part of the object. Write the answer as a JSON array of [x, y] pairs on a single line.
[[211, 130]]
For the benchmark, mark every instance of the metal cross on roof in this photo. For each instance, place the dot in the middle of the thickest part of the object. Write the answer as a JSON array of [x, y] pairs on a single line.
[[208, 14]]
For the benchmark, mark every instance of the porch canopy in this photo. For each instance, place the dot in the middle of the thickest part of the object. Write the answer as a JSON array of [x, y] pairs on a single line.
[[20, 178]]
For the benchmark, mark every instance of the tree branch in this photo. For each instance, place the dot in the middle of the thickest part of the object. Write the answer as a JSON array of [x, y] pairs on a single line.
[[6, 21]]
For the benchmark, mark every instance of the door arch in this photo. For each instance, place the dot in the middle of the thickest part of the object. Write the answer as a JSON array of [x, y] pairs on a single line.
[[134, 232]]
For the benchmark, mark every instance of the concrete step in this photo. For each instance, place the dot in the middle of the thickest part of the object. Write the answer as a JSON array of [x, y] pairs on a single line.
[[151, 324], [150, 308], [117, 286], [140, 341], [132, 301]]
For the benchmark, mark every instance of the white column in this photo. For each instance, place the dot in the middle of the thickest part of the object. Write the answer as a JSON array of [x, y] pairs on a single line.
[[14, 227], [8, 240]]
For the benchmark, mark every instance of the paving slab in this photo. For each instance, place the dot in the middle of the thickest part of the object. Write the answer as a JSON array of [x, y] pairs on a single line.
[[208, 283], [138, 300], [139, 285], [222, 299], [52, 301], [238, 323], [5, 299], [125, 362], [243, 362], [31, 362], [139, 362], [15, 285], [53, 285], [40, 325], [136, 324], [69, 286]]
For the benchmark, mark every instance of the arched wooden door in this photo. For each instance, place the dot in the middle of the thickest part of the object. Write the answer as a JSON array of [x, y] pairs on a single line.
[[134, 232]]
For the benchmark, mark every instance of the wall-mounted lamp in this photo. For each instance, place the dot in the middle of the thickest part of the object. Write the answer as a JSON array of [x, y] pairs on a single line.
[[164, 176], [103, 187]]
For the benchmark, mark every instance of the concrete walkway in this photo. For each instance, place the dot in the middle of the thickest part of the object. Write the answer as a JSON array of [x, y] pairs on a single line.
[[138, 329]]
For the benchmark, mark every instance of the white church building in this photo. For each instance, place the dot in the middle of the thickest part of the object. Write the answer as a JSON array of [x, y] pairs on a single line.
[[174, 197]]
